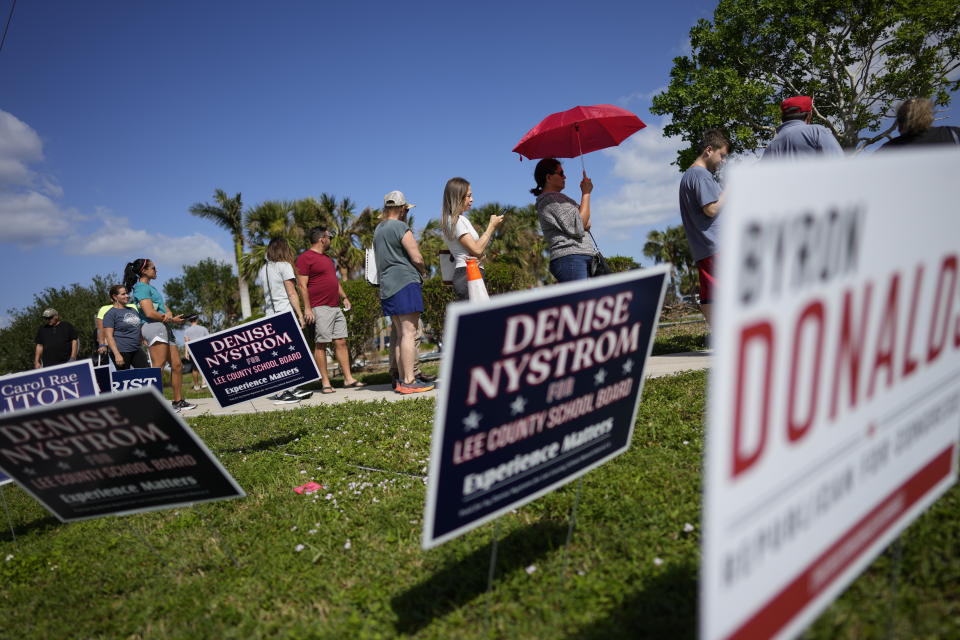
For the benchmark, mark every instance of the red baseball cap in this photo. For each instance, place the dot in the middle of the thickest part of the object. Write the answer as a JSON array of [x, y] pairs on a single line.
[[797, 104]]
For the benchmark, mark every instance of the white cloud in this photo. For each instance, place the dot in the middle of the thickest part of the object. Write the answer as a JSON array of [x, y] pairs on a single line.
[[116, 237], [19, 146], [28, 213], [28, 218], [649, 195]]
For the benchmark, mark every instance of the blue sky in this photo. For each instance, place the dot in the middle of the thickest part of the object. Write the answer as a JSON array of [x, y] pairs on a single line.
[[116, 116]]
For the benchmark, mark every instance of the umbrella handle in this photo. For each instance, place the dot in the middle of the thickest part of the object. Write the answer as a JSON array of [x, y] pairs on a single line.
[[576, 128]]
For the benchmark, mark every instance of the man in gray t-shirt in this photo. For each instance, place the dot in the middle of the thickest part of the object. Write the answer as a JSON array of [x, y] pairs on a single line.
[[700, 202]]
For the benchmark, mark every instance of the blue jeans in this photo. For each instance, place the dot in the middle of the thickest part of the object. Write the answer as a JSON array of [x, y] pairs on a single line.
[[572, 267]]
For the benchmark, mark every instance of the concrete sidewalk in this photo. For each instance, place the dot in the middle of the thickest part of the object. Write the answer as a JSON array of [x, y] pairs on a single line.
[[657, 366]]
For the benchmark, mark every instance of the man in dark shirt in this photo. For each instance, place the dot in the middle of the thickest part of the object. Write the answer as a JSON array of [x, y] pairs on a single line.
[[56, 341]]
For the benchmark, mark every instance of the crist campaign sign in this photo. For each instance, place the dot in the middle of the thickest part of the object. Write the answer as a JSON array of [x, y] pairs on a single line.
[[43, 387], [540, 387], [128, 379], [834, 405], [255, 359], [112, 454]]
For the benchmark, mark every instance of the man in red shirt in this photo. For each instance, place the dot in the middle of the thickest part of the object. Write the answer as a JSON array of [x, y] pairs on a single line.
[[317, 277]]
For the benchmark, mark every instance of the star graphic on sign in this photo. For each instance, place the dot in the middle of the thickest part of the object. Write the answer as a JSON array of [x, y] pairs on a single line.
[[29, 471], [628, 366], [292, 348], [274, 354], [472, 421], [599, 377], [234, 367], [172, 448], [518, 405], [63, 465], [215, 372], [140, 453]]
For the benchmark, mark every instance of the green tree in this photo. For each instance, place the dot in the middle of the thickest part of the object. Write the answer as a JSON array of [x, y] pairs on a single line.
[[228, 214], [855, 57], [518, 241], [263, 223], [206, 289], [670, 246], [352, 232], [618, 264], [76, 303]]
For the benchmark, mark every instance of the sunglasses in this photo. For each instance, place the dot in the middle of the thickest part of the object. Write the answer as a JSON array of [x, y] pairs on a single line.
[[559, 173]]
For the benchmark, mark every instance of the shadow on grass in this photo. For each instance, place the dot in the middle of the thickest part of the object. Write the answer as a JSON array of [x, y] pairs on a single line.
[[22, 530], [665, 608], [679, 344], [270, 443], [457, 584]]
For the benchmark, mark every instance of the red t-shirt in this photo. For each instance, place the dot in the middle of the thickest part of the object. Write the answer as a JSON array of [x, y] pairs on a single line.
[[322, 283]]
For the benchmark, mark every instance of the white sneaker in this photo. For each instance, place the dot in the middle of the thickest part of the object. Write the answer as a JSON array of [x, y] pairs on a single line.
[[196, 388]]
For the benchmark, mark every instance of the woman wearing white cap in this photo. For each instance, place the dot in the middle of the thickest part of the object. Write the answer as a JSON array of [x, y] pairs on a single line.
[[400, 268]]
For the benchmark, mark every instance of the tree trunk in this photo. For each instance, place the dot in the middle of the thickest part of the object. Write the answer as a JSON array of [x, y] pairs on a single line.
[[244, 298], [241, 282]]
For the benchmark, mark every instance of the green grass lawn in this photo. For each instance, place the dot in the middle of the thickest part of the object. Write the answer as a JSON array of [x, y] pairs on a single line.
[[346, 562]]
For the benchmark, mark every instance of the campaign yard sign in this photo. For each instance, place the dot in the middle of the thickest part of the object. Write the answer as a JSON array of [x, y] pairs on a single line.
[[256, 359], [539, 388], [46, 386], [834, 405], [128, 379], [112, 454]]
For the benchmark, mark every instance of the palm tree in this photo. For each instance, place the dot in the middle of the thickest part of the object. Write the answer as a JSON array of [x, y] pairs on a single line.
[[517, 241], [431, 242], [228, 214], [352, 232], [670, 245], [268, 220]]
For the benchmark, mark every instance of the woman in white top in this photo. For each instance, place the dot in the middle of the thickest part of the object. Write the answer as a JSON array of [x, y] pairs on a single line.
[[278, 279], [461, 238]]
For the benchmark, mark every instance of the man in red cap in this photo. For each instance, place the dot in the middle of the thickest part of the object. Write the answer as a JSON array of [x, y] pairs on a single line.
[[796, 136]]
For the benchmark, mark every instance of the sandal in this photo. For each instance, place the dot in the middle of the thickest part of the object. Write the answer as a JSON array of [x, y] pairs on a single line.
[[356, 384], [326, 390]]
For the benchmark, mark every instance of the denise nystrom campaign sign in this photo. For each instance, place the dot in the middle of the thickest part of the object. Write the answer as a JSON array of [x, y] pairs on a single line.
[[255, 359], [43, 387], [835, 391], [109, 455], [539, 388]]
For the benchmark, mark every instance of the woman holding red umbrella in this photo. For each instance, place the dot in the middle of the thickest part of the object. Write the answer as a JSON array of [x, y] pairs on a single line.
[[565, 223]]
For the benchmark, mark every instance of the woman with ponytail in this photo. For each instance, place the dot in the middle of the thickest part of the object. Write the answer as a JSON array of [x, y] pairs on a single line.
[[461, 238], [156, 330], [564, 223]]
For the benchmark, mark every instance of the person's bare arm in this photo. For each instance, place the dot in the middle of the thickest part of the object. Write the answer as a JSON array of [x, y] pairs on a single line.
[[477, 247], [586, 188], [343, 296], [294, 299], [101, 337], [713, 208], [37, 356], [307, 309], [413, 252], [74, 348], [112, 344]]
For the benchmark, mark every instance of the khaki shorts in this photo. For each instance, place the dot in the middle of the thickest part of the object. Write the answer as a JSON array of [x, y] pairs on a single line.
[[330, 323]]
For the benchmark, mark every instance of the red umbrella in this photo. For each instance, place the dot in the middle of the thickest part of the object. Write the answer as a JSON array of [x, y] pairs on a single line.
[[580, 130]]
